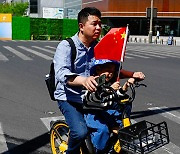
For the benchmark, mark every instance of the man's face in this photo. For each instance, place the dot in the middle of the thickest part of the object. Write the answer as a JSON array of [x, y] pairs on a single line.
[[91, 29]]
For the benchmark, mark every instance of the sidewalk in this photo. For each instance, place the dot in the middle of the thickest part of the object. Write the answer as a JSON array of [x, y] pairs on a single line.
[[145, 39]]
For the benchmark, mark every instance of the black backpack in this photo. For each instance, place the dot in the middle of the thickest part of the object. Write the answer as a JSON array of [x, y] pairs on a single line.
[[50, 78]]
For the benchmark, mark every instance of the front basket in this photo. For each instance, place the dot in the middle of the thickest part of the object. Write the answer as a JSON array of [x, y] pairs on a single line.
[[143, 137]]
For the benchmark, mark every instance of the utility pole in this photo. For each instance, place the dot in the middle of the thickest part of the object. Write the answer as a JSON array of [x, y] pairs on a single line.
[[151, 21]]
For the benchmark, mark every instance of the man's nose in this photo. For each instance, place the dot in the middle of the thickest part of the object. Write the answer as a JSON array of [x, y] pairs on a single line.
[[98, 26]]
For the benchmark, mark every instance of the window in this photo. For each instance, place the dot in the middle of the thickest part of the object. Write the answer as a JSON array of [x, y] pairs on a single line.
[[33, 6]]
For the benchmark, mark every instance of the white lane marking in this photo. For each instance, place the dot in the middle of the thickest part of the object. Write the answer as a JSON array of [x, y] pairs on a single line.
[[43, 49], [155, 52], [17, 53], [3, 145], [148, 54], [50, 47], [128, 57], [164, 50], [2, 57], [46, 121], [172, 115], [136, 55], [167, 54], [36, 53], [167, 149]]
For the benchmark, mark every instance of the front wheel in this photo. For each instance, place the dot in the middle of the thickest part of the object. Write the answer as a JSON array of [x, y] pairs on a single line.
[[59, 137]]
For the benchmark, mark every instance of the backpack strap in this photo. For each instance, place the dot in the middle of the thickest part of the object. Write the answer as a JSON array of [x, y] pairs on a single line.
[[73, 55], [52, 69], [73, 51]]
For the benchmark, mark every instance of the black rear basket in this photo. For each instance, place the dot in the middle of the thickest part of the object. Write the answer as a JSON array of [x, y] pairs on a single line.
[[143, 137]]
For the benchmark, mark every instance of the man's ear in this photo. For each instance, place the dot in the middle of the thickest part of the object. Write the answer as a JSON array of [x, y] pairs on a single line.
[[81, 26]]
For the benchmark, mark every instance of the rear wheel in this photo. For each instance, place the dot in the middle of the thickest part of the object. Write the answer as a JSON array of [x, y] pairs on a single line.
[[59, 137]]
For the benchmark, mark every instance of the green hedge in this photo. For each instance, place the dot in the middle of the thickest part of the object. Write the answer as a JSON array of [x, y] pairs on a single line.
[[20, 28], [53, 29], [70, 27], [55, 26], [25, 28], [38, 27]]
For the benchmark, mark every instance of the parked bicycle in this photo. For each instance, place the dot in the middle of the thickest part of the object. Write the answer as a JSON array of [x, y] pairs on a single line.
[[142, 137]]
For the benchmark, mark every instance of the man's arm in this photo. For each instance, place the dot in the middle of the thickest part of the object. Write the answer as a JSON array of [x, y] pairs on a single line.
[[88, 82]]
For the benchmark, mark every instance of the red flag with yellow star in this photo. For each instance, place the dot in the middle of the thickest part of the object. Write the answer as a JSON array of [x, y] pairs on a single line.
[[112, 46]]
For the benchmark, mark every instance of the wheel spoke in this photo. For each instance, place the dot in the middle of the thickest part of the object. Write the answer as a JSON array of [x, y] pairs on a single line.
[[58, 138]]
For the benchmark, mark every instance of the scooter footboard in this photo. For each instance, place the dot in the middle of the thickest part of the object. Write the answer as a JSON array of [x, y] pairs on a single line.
[[143, 137]]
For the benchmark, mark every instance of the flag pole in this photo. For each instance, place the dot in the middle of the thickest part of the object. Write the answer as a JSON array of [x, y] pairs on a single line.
[[120, 65], [123, 52]]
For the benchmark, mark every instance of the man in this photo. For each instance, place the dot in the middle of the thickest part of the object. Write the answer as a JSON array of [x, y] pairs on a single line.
[[71, 80]]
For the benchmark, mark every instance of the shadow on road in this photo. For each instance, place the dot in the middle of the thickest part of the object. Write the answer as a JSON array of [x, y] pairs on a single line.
[[40, 141], [140, 114], [30, 146]]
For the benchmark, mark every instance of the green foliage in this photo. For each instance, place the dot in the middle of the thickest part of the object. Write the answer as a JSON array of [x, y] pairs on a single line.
[[70, 27], [20, 28], [25, 28], [16, 8], [39, 28], [105, 29], [53, 29]]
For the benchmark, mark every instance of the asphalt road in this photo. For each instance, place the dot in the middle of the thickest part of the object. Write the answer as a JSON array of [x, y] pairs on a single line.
[[24, 99]]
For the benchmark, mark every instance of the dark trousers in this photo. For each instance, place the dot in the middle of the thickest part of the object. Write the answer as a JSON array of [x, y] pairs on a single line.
[[73, 114]]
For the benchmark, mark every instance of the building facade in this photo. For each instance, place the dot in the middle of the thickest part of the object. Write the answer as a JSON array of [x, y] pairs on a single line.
[[70, 8], [116, 13], [134, 12]]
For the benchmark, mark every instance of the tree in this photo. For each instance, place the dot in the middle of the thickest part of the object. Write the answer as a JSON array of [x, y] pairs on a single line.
[[16, 8]]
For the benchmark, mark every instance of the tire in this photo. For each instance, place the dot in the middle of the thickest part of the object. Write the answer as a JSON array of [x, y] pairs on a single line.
[[59, 137]]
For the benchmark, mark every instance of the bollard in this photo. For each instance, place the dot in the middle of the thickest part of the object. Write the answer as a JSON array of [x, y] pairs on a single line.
[[161, 41], [135, 39], [31, 37], [174, 42], [155, 41], [130, 39], [48, 37], [144, 40], [139, 39]]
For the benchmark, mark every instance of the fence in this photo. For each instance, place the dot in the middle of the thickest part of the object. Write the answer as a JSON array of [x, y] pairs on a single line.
[[143, 39]]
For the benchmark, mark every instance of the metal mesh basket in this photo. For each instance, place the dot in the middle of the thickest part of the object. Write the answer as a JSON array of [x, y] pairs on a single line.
[[143, 137]]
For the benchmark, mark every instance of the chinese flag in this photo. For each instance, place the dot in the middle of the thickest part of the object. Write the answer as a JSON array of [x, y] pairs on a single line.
[[112, 46]]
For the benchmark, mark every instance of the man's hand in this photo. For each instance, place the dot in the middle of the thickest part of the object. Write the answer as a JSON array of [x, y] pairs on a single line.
[[139, 75], [90, 83]]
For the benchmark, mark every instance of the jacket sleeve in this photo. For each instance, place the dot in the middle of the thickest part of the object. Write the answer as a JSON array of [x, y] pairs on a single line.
[[62, 62]]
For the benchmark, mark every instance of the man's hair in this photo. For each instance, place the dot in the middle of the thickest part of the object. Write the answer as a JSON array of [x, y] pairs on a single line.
[[84, 13]]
